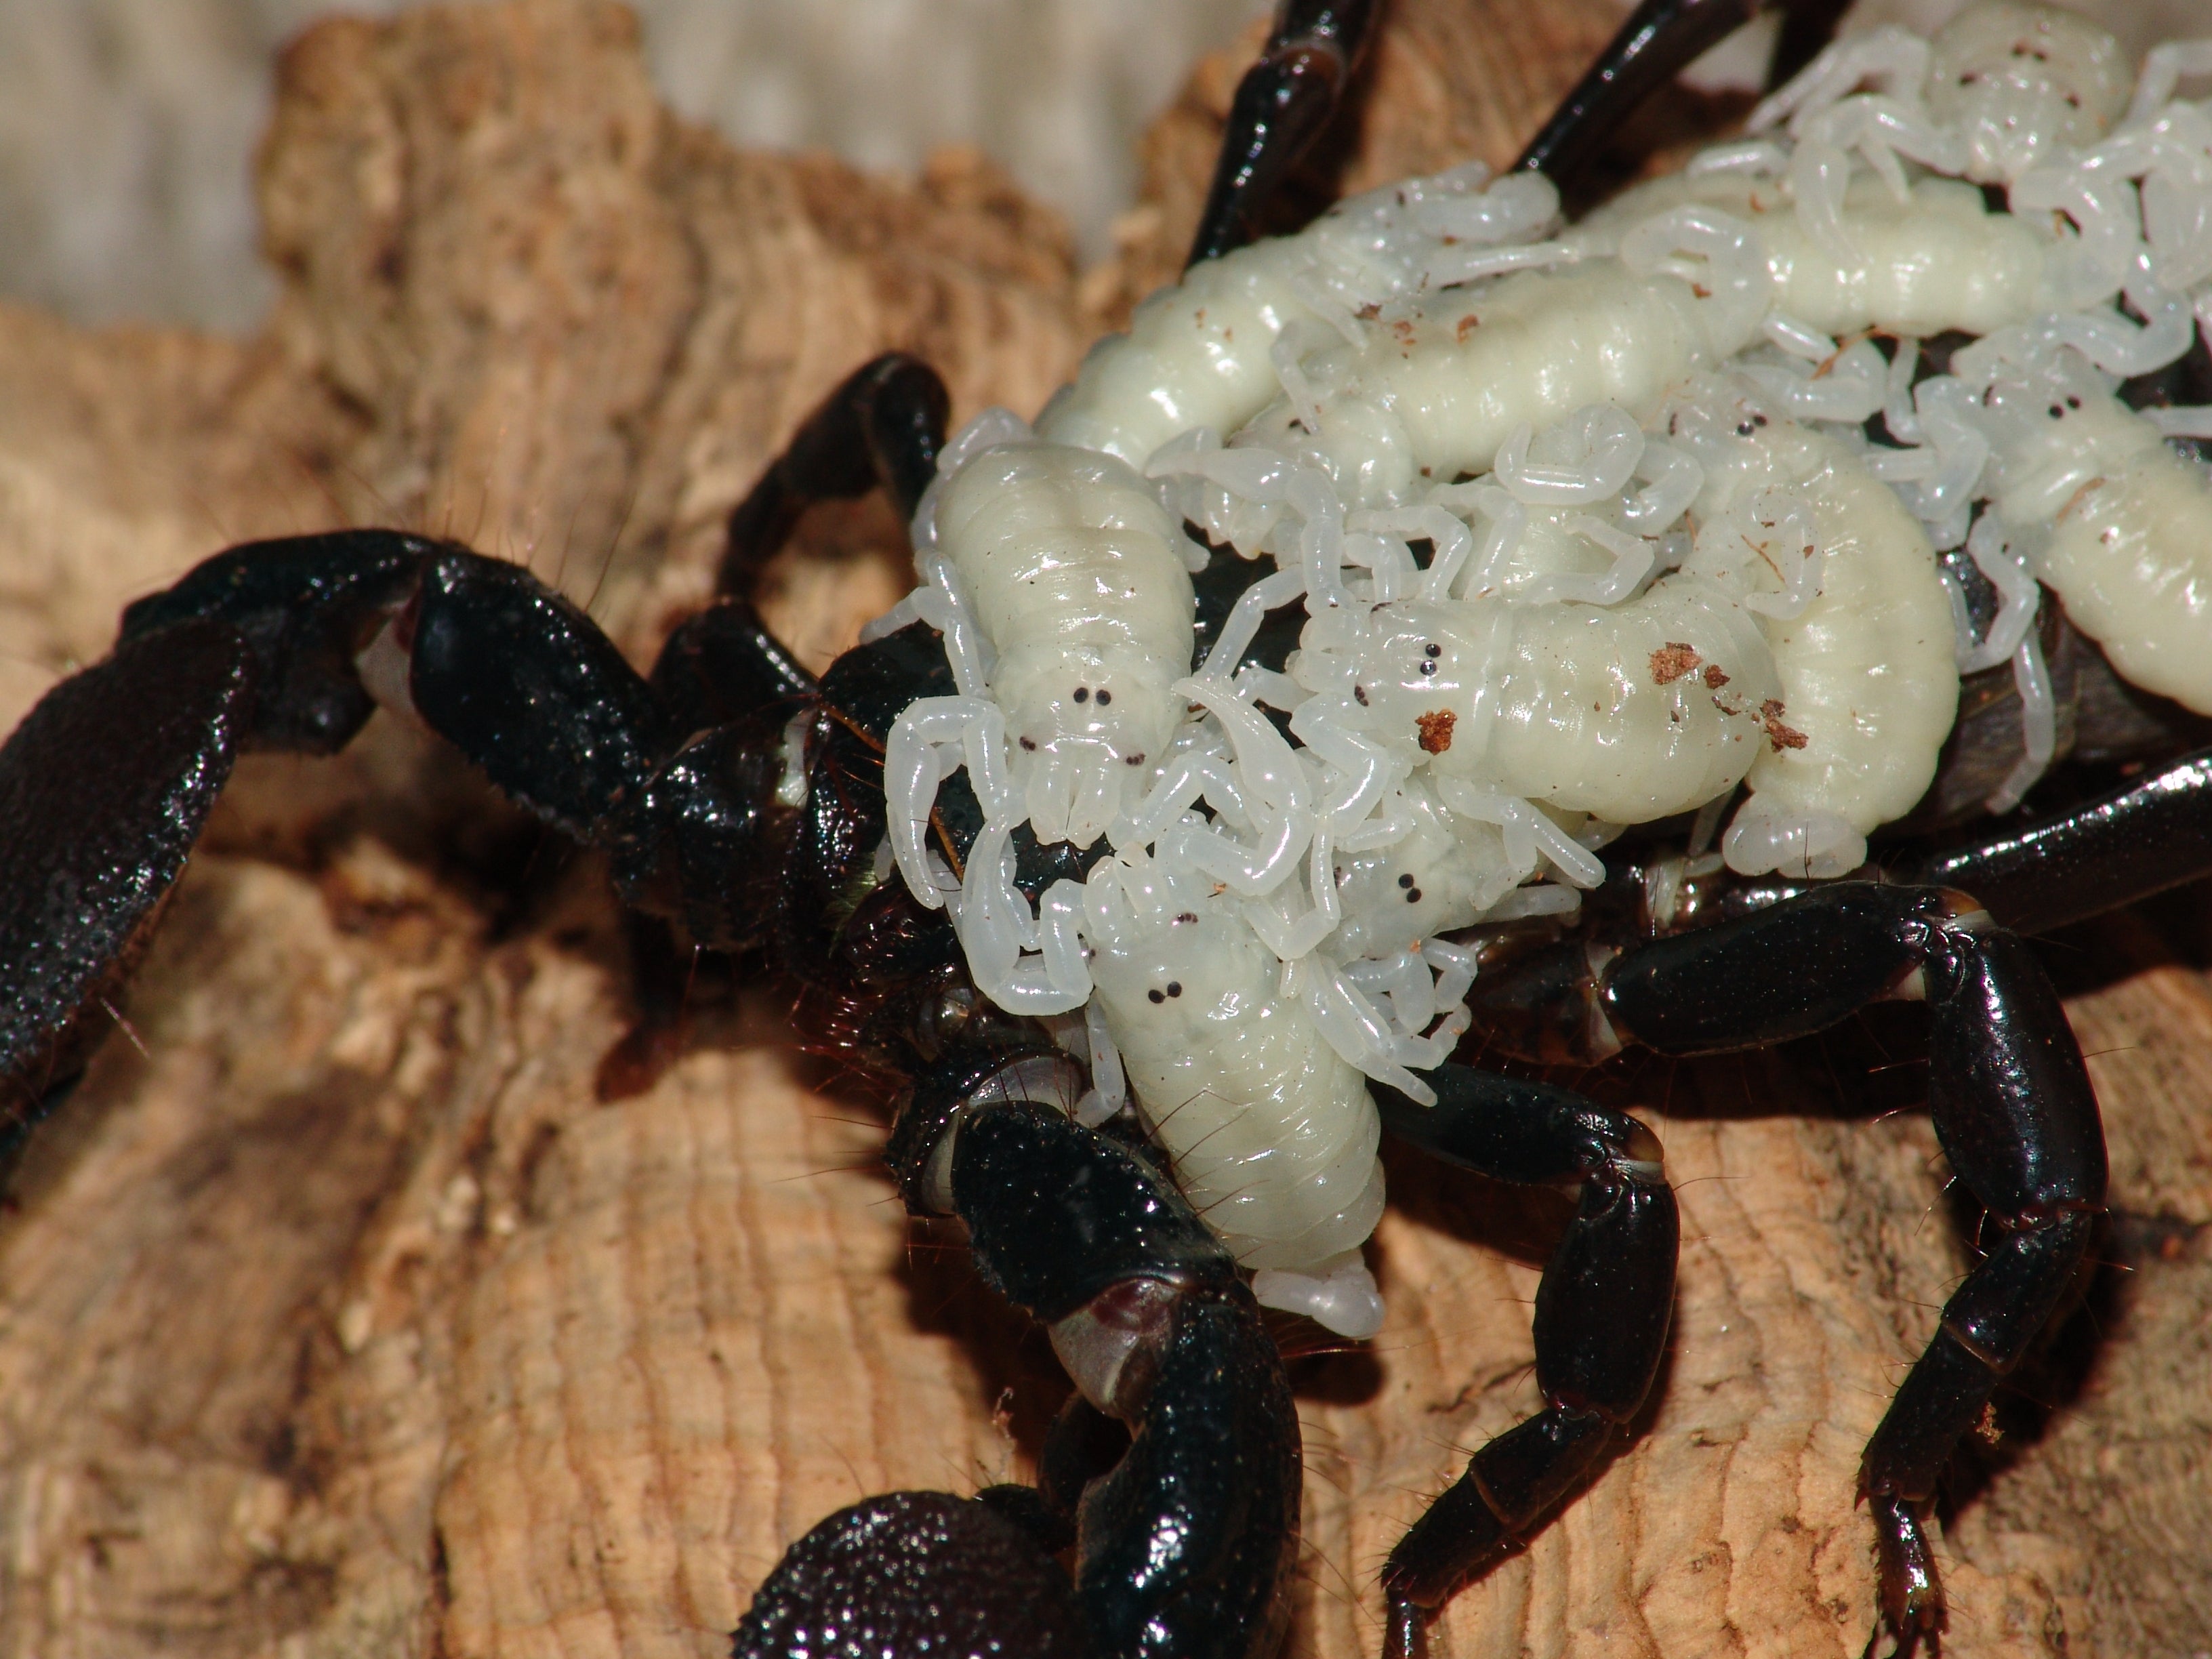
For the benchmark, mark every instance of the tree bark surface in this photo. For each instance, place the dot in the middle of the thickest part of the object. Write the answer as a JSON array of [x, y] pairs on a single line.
[[337, 1317]]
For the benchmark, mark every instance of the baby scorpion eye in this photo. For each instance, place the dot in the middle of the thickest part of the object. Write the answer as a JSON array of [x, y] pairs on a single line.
[[1082, 693], [1134, 760], [1030, 743], [1743, 429], [1157, 995], [1104, 697], [1432, 651], [1412, 895], [2073, 402], [1405, 881], [1429, 667], [1175, 987]]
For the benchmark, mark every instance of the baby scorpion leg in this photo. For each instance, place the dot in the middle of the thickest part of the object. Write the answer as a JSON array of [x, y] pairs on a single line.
[[1602, 1311], [1185, 1549], [2008, 1094], [1282, 104]]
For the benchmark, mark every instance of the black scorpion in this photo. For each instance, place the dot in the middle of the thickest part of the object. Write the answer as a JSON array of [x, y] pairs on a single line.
[[1183, 1528]]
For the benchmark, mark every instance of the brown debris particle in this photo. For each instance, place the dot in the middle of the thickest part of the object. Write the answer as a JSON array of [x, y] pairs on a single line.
[[1714, 678], [1467, 325], [1437, 729], [1782, 736], [1671, 661], [2074, 502]]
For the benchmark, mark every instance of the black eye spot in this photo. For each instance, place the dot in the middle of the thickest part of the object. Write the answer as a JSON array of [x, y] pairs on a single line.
[[1104, 697], [1082, 693], [1359, 696], [1432, 651], [1156, 996], [1412, 895], [2073, 402], [1405, 881], [1175, 987], [1030, 743], [1188, 915], [1428, 668], [2056, 413], [1134, 760], [1743, 429], [1759, 420]]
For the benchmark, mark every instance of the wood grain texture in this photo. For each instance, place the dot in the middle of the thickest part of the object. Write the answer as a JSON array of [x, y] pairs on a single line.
[[336, 1319]]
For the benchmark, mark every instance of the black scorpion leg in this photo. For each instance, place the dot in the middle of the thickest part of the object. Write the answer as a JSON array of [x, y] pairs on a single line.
[[1185, 1550], [1282, 104], [883, 425], [1658, 41], [2012, 1110], [1808, 27], [2153, 833], [723, 664], [723, 668], [661, 967], [1602, 1310]]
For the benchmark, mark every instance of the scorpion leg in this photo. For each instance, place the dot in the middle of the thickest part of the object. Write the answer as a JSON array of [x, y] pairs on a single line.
[[1602, 1310], [2008, 1091], [2153, 833], [883, 425], [721, 667], [660, 968], [1185, 1550], [1282, 106], [1660, 40]]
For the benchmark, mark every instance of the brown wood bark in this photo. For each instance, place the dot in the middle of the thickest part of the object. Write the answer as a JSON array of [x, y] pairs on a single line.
[[337, 1318]]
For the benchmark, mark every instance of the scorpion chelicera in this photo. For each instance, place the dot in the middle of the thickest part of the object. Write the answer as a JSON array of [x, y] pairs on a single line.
[[1259, 724]]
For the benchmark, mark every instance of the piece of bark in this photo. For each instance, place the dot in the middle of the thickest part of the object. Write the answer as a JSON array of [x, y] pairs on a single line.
[[336, 1318]]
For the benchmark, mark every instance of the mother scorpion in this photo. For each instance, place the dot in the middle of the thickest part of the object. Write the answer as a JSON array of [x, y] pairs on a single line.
[[761, 811]]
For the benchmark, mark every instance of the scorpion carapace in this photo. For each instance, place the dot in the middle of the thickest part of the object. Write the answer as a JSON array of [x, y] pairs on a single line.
[[1266, 713]]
